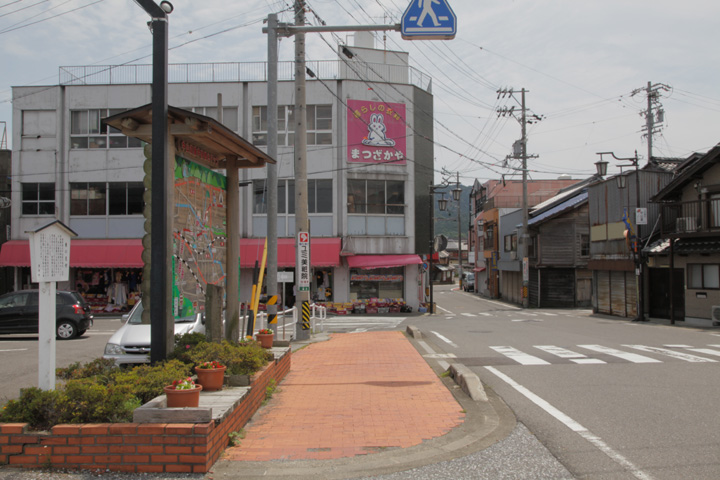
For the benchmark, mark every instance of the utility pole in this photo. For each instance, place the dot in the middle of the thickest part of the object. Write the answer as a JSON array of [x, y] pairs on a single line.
[[654, 115], [523, 156], [272, 178], [302, 223]]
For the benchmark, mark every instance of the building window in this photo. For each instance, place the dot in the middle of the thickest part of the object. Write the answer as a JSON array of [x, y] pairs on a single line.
[[511, 243], [320, 195], [230, 115], [584, 245], [490, 237], [87, 132], [382, 197], [115, 198], [532, 247], [703, 276], [318, 124], [38, 199]]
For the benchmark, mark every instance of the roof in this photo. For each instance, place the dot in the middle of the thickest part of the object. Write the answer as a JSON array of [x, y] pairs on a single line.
[[683, 246], [195, 130], [692, 169], [562, 207]]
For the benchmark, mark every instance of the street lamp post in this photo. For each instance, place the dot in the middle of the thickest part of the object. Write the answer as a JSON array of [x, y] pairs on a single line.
[[601, 166], [161, 324], [442, 204]]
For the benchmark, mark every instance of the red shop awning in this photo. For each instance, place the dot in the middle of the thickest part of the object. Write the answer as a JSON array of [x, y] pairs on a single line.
[[90, 253], [324, 252], [479, 269], [382, 261]]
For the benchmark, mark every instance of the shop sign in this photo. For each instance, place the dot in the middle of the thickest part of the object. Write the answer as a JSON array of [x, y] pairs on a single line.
[[359, 277], [195, 153], [303, 261], [376, 132]]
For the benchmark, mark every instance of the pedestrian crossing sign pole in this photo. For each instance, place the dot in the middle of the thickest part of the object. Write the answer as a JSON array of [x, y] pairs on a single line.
[[428, 20]]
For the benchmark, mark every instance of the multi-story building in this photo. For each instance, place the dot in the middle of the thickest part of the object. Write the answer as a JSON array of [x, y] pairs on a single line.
[[369, 161]]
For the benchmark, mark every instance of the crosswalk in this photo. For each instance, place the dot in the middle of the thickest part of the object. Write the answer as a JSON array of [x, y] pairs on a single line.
[[600, 354], [359, 323]]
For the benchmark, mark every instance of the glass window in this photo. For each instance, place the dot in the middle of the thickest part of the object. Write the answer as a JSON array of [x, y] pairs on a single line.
[[87, 199], [38, 199], [318, 118], [703, 276], [125, 198], [323, 196], [87, 131]]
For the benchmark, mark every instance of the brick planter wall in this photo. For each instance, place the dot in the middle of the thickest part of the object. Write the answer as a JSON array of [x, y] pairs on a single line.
[[135, 447]]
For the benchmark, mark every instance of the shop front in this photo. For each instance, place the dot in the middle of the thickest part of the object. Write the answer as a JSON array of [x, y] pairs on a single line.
[[106, 272]]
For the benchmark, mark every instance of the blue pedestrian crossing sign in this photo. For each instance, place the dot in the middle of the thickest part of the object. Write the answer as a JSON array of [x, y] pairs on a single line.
[[428, 20]]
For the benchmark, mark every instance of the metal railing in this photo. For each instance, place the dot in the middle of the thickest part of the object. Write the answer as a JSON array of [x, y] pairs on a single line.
[[318, 313], [242, 72], [696, 217]]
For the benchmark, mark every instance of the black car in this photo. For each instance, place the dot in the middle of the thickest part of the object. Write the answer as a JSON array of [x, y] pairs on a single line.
[[19, 312]]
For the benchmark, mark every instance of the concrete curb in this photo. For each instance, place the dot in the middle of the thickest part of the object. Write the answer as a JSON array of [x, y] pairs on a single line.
[[468, 382]]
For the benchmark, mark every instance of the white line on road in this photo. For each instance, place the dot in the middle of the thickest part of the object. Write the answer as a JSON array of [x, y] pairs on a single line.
[[14, 350], [443, 309], [575, 357], [520, 357], [573, 425], [706, 351], [630, 357], [444, 339], [672, 353], [469, 314]]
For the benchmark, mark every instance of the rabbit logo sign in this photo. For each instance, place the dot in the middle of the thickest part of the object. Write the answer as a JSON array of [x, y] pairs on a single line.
[[376, 132]]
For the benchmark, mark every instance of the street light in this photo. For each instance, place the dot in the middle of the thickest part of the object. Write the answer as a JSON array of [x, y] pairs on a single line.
[[161, 324], [637, 256]]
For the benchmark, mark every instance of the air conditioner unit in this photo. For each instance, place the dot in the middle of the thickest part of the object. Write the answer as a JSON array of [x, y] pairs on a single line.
[[716, 315], [686, 224]]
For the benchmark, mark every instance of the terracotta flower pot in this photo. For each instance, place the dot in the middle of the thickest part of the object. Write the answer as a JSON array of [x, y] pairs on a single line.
[[265, 339], [211, 379], [183, 398]]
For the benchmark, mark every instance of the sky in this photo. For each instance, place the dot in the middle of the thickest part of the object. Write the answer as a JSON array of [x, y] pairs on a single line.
[[584, 66]]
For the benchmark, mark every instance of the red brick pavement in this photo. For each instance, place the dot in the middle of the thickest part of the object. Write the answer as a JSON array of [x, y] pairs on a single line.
[[352, 395]]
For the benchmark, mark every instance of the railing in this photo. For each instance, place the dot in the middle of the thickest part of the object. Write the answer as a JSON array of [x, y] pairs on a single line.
[[317, 313], [242, 72], [696, 217]]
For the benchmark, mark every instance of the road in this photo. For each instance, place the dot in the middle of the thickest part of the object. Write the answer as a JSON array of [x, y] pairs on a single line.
[[19, 354], [609, 398]]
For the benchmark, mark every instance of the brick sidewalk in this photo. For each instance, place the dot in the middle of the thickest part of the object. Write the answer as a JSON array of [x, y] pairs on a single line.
[[352, 395]]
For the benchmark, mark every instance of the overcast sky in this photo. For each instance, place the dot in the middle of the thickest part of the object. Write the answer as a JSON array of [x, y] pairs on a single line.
[[579, 60]]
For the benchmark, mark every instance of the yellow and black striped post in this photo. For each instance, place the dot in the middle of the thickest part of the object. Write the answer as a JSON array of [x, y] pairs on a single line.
[[306, 315], [272, 312]]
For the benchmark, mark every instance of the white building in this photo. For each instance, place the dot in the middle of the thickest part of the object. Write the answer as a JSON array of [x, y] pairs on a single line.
[[370, 161]]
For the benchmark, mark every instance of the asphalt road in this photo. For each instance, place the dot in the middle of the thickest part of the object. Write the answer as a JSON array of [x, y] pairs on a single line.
[[19, 354], [610, 399]]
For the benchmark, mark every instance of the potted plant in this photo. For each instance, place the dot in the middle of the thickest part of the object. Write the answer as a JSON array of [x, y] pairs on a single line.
[[183, 393], [210, 375], [265, 337]]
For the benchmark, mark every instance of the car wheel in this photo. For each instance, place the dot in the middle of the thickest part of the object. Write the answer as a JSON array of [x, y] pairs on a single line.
[[66, 330]]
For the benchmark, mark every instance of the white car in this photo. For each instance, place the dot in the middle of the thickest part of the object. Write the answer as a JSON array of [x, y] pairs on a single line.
[[131, 343]]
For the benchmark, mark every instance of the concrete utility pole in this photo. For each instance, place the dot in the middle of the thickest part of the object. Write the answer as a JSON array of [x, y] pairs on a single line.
[[272, 178], [524, 239], [302, 222], [654, 115]]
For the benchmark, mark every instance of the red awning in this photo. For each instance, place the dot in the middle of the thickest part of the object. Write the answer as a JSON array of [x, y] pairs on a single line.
[[91, 253], [479, 269], [324, 252], [382, 261]]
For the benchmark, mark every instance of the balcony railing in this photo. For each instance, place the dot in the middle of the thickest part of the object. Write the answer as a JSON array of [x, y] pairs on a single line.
[[693, 218], [242, 72]]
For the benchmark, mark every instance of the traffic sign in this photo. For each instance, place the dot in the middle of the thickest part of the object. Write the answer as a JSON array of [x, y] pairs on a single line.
[[428, 20], [303, 262]]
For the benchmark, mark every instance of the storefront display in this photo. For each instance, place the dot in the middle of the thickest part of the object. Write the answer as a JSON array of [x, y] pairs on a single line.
[[109, 290], [376, 283]]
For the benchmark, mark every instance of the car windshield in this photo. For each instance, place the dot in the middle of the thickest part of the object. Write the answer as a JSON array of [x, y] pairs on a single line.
[[136, 316]]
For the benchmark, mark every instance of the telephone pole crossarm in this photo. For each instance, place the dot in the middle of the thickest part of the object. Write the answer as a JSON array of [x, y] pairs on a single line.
[[288, 29]]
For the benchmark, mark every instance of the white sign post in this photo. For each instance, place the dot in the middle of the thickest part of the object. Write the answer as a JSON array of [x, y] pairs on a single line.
[[303, 262], [50, 263]]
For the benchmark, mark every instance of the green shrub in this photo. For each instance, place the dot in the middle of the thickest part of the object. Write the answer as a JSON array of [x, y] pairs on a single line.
[[244, 359], [101, 368], [147, 381], [35, 406], [184, 344]]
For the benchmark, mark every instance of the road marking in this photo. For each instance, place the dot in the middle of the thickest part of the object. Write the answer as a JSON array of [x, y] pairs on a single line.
[[469, 314], [526, 320], [485, 314], [528, 314], [706, 351], [677, 346], [630, 357], [440, 355], [573, 425], [672, 353], [430, 353], [548, 314], [444, 339], [14, 350], [520, 357], [503, 305], [575, 357], [443, 309]]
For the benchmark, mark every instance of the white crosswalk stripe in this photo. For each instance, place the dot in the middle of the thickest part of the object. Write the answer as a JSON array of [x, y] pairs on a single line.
[[672, 353], [574, 357], [520, 357], [630, 357]]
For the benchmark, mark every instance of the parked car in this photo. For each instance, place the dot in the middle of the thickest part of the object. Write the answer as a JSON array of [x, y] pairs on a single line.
[[131, 343], [469, 282], [20, 312]]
